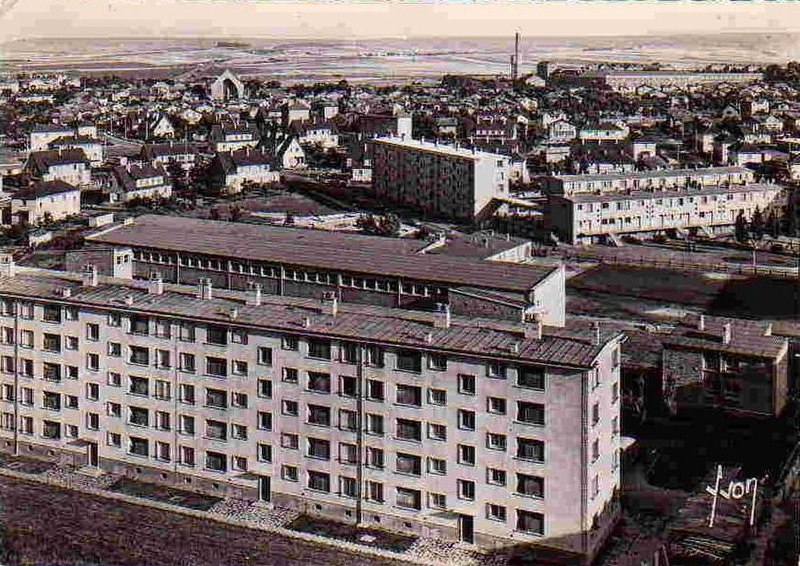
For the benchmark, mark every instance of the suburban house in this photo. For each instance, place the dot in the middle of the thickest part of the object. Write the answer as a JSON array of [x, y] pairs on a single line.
[[129, 182], [45, 201], [289, 154], [230, 170], [324, 134], [42, 134], [92, 147], [185, 154], [297, 110], [561, 131], [68, 165], [230, 137]]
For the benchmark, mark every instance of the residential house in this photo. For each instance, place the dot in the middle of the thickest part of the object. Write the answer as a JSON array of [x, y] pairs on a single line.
[[68, 165], [42, 134], [92, 147], [231, 170], [146, 182], [45, 201], [184, 154], [230, 137]]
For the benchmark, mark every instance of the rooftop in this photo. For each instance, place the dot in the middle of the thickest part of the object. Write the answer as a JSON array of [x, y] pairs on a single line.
[[39, 190], [747, 338], [667, 193], [378, 325], [321, 249], [665, 173], [442, 149]]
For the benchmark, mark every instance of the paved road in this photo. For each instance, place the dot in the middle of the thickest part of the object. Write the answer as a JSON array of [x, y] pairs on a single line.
[[42, 524]]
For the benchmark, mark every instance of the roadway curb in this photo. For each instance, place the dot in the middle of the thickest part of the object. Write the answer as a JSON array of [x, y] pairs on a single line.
[[297, 535]]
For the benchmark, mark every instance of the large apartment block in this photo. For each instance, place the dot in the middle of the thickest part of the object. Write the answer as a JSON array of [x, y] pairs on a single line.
[[476, 429], [438, 179]]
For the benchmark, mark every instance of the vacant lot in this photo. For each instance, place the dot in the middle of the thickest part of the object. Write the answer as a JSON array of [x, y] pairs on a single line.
[[46, 525], [623, 290]]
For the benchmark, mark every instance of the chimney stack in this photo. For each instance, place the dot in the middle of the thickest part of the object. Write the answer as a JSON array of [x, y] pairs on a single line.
[[254, 300], [89, 278], [701, 323], [155, 285], [768, 329], [330, 303], [533, 330], [514, 348], [726, 333], [441, 317], [596, 326], [233, 313], [204, 288], [306, 322]]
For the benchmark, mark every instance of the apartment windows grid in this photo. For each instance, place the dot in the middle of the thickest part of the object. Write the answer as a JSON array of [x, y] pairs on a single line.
[[466, 384], [466, 455], [466, 419]]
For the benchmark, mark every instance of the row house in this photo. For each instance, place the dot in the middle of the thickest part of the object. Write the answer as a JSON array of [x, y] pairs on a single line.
[[132, 182]]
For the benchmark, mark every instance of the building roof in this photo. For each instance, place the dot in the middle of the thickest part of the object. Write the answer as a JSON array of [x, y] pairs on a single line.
[[441, 149], [321, 249], [152, 150], [50, 128], [747, 338], [128, 175], [665, 173], [39, 190], [43, 160], [380, 325], [666, 193], [231, 160]]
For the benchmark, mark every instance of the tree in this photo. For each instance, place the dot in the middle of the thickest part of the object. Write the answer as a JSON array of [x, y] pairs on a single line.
[[757, 224], [235, 213], [740, 228]]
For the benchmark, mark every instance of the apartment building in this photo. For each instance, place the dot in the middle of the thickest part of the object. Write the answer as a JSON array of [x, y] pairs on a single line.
[[590, 218], [732, 364], [488, 432], [438, 179], [356, 268], [646, 180], [630, 81]]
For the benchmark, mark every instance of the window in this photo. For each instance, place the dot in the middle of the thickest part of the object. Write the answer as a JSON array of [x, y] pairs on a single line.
[[375, 492], [318, 448], [92, 391], [437, 466], [466, 419], [531, 377], [614, 392], [348, 386], [348, 420], [239, 367], [139, 446], [409, 430], [290, 441], [163, 359], [265, 453], [216, 398], [51, 401], [495, 476], [348, 353], [409, 498], [530, 413], [375, 390], [114, 349], [496, 405], [530, 522], [319, 415], [348, 453], [375, 424], [319, 382], [437, 431], [239, 399], [139, 325], [289, 408], [114, 319], [532, 486], [187, 425], [217, 367], [114, 379], [437, 396], [437, 362], [139, 385], [496, 441], [216, 430], [92, 331], [238, 336], [70, 313], [319, 481], [530, 449], [595, 450], [466, 489], [27, 396], [186, 332], [163, 451], [348, 487], [466, 384], [239, 431], [26, 425], [496, 370], [72, 372], [374, 356], [408, 464], [320, 349], [265, 356], [92, 362], [290, 343], [51, 372], [139, 416], [466, 455], [409, 395], [187, 362], [216, 462], [495, 512], [375, 458], [289, 473], [216, 335], [187, 393], [264, 420], [114, 439], [51, 343], [139, 355], [51, 313], [26, 339], [265, 388], [290, 375], [595, 414], [163, 328], [437, 500], [409, 360]]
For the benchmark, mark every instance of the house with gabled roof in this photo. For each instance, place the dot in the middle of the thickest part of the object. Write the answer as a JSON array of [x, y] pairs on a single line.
[[231, 170], [129, 182], [68, 165]]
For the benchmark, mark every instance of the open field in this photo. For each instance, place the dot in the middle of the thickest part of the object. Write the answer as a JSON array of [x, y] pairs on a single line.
[[46, 525]]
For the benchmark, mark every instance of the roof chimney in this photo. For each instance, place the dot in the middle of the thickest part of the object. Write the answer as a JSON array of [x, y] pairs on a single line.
[[441, 317], [514, 348], [701, 323], [533, 330], [155, 285], [89, 276], [768, 329], [204, 288], [596, 326], [726, 333], [306, 322], [233, 313], [254, 300], [330, 303]]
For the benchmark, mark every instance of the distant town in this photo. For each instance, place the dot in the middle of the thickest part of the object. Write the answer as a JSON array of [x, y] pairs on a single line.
[[526, 318]]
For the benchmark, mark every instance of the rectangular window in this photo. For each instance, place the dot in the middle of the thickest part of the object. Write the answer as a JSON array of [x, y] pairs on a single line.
[[239, 431], [496, 512], [408, 464], [265, 388], [139, 385], [163, 359], [216, 335], [409, 430], [163, 420], [139, 325], [92, 391], [187, 362], [437, 431], [466, 419], [289, 408], [348, 487], [216, 430], [290, 441], [114, 349], [51, 313], [139, 356], [163, 328], [495, 476], [466, 489], [51, 372], [265, 453], [92, 362], [375, 424], [216, 398], [319, 481], [187, 393], [289, 473], [437, 466], [496, 441], [530, 449], [51, 343], [92, 332], [319, 382], [437, 362], [409, 360], [239, 367], [139, 416], [466, 384], [319, 415], [409, 498], [290, 343], [216, 462], [217, 367], [466, 455], [375, 458], [265, 356], [496, 405], [348, 386], [409, 395], [319, 349], [374, 356], [437, 396], [532, 486], [496, 370], [139, 446], [348, 420], [530, 522], [319, 449], [290, 375], [437, 501], [375, 390], [348, 453], [348, 353], [264, 420], [375, 492], [186, 332], [187, 425], [530, 413]]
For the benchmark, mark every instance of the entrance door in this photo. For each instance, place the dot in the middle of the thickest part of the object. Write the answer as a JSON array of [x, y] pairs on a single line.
[[465, 528], [93, 459], [264, 488]]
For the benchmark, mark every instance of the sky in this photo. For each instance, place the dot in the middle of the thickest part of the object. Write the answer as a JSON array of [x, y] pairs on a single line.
[[390, 18]]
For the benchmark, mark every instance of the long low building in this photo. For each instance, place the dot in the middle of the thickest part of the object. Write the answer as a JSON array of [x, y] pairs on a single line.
[[467, 428], [628, 81], [590, 218], [311, 263]]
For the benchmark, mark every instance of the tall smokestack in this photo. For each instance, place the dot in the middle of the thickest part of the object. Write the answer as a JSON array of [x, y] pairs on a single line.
[[515, 58]]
